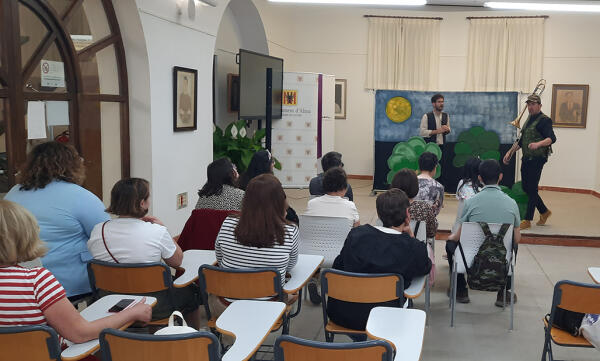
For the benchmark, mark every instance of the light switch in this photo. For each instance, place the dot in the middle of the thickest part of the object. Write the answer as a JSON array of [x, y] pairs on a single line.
[[182, 200]]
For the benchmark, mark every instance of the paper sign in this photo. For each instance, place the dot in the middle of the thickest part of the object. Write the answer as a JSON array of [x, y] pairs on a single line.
[[53, 74], [36, 120], [57, 113]]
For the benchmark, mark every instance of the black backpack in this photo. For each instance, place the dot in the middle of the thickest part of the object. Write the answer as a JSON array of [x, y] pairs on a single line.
[[489, 271]]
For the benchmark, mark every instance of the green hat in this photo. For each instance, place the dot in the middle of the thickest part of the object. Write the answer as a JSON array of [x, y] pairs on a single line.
[[533, 98]]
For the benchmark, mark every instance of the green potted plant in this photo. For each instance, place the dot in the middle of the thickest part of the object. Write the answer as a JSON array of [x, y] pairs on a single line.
[[235, 143]]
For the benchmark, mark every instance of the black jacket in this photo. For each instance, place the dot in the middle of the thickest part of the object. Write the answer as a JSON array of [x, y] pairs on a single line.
[[369, 250]]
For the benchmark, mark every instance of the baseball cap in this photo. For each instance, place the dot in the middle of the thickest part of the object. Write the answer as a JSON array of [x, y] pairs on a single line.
[[533, 98]]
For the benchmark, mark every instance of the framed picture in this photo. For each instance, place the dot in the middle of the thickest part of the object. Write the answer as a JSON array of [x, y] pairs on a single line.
[[185, 88], [569, 105], [340, 99]]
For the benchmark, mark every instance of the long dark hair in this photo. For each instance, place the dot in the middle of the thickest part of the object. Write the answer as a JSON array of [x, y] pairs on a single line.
[[259, 164], [218, 173], [262, 220], [471, 174]]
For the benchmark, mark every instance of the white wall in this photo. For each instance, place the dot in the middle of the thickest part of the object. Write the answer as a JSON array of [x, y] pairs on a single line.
[[158, 37], [333, 40]]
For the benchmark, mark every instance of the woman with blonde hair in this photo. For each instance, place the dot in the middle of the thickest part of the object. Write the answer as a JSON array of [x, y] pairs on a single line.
[[50, 188], [33, 296]]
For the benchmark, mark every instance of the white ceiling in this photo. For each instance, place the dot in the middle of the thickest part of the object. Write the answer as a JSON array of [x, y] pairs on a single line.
[[479, 3]]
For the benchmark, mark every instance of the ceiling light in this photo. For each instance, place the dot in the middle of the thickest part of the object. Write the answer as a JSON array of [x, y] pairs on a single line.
[[356, 2], [542, 6]]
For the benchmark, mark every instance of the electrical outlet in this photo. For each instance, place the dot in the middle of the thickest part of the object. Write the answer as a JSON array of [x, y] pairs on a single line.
[[182, 200]]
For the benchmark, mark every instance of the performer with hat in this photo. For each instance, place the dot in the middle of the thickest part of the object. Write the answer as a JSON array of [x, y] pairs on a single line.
[[537, 137]]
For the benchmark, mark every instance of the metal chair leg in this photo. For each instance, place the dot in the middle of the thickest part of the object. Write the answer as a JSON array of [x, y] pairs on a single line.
[[512, 299], [453, 300], [427, 300]]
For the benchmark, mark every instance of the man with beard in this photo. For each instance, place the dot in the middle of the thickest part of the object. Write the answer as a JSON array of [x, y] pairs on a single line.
[[435, 125]]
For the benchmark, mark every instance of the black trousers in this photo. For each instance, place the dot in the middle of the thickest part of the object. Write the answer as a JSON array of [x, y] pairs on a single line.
[[531, 171], [461, 283]]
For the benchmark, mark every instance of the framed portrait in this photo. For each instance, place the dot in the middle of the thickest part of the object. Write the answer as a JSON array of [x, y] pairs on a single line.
[[185, 88], [569, 105], [340, 99]]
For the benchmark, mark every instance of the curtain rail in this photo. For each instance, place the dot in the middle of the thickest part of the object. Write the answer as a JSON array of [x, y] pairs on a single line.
[[508, 17], [401, 17]]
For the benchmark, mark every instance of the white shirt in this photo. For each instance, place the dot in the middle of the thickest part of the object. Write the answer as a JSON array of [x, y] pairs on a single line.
[[131, 240], [424, 132], [387, 230], [332, 206]]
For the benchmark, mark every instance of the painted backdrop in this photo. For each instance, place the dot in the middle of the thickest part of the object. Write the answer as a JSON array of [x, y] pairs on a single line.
[[398, 116]]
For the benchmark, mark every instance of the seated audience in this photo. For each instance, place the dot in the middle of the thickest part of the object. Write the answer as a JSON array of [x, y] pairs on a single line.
[[373, 249], [467, 187], [430, 190], [420, 211], [490, 205], [220, 192], [260, 236], [135, 237], [332, 204], [262, 163], [34, 295], [50, 188], [328, 161]]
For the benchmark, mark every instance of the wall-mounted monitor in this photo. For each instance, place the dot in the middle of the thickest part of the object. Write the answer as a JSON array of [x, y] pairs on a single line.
[[253, 84]]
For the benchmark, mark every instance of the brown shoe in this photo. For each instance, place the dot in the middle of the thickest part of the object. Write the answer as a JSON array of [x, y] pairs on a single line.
[[525, 224], [544, 217]]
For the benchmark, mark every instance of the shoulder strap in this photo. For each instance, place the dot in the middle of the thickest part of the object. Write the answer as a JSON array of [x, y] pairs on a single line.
[[105, 246], [462, 253], [503, 230], [417, 228], [485, 228]]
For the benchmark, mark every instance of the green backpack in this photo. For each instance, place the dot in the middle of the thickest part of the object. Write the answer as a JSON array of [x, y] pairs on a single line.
[[489, 271]]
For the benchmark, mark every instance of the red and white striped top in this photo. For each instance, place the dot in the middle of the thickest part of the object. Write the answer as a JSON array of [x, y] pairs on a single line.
[[25, 294]]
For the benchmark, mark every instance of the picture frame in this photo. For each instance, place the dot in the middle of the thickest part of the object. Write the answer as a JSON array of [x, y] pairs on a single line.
[[185, 100], [569, 105], [340, 98]]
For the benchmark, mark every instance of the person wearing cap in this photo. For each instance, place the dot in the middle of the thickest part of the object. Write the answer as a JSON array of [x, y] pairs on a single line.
[[537, 137], [435, 125]]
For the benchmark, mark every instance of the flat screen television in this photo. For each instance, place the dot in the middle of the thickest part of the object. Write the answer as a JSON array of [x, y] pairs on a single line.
[[253, 85]]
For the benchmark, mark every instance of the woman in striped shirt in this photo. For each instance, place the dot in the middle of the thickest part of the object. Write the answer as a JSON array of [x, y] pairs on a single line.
[[260, 236], [34, 296]]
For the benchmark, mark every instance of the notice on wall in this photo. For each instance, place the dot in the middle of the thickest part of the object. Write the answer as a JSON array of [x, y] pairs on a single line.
[[53, 74], [36, 120], [57, 113]]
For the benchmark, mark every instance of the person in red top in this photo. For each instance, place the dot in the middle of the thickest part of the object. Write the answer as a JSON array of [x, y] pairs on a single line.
[[34, 296]]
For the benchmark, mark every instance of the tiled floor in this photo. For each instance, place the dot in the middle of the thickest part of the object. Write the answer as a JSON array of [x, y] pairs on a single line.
[[481, 331]]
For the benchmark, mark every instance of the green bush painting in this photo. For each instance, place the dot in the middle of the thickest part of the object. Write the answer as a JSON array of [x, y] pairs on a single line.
[[476, 142], [406, 155], [517, 193]]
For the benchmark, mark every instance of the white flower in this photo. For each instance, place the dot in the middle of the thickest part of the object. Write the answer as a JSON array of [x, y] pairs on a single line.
[[234, 132], [243, 132]]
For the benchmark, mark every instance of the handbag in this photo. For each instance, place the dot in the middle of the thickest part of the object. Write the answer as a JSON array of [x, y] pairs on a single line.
[[171, 329], [565, 320], [590, 329]]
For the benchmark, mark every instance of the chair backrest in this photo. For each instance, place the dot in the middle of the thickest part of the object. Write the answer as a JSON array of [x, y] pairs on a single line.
[[242, 283], [201, 229], [29, 343], [132, 278], [118, 345], [362, 287], [422, 231], [576, 296], [290, 348], [471, 238], [323, 236]]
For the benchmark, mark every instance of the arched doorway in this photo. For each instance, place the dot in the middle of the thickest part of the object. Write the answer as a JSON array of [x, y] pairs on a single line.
[[63, 77]]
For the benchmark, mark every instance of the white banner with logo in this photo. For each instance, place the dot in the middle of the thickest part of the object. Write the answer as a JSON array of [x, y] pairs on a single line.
[[294, 137]]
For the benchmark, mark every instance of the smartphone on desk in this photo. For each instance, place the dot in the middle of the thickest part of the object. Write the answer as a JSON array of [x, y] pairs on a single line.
[[121, 305]]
